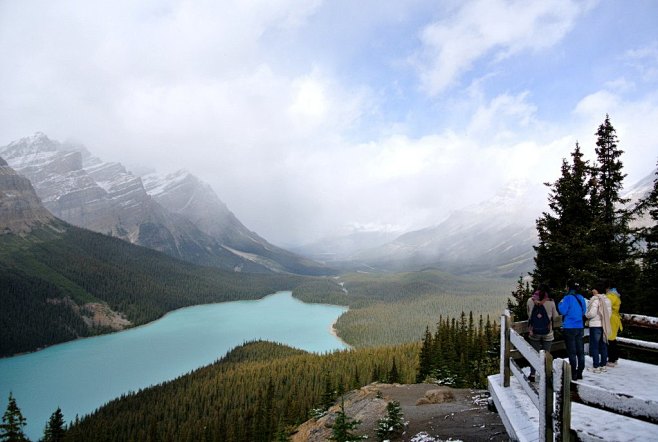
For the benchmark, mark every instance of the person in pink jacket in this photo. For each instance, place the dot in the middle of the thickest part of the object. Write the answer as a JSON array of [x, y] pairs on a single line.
[[599, 310]]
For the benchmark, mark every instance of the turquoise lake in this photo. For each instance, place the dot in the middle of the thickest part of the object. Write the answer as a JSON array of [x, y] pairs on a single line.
[[82, 375]]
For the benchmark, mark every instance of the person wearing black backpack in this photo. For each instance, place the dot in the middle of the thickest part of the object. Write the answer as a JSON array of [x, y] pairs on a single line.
[[573, 307], [541, 311]]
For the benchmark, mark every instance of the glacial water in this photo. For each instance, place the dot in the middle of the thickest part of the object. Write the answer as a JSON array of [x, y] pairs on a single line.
[[82, 375]]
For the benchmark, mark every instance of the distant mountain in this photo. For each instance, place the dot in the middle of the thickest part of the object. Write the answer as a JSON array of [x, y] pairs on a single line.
[[493, 237], [182, 217], [343, 246], [59, 282], [637, 192], [185, 195]]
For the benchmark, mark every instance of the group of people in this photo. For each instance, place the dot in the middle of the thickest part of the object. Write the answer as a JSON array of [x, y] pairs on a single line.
[[601, 311]]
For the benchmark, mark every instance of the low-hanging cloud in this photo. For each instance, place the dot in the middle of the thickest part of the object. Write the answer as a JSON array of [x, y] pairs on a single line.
[[300, 131]]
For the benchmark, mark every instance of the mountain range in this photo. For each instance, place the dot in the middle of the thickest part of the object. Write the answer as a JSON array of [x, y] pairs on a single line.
[[59, 282], [182, 216], [494, 237], [177, 214]]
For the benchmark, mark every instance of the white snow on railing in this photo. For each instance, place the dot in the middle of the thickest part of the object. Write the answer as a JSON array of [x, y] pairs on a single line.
[[638, 343]]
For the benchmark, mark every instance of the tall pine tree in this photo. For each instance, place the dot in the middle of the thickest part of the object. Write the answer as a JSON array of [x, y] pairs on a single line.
[[517, 303], [342, 430], [55, 431], [11, 429], [612, 235], [565, 250]]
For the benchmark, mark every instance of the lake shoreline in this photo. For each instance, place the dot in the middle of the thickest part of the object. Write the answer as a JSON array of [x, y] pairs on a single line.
[[334, 332], [91, 373]]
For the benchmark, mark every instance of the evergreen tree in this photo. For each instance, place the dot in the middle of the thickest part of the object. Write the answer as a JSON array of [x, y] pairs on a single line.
[[517, 303], [565, 249], [393, 424], [329, 394], [425, 357], [342, 430], [11, 429], [393, 374], [281, 435], [55, 431], [611, 231]]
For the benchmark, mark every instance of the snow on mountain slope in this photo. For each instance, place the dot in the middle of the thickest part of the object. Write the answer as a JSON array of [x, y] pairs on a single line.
[[184, 194], [638, 192], [495, 236], [181, 216]]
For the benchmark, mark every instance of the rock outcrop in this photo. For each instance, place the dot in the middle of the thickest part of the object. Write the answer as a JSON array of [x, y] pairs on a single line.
[[431, 413], [20, 207]]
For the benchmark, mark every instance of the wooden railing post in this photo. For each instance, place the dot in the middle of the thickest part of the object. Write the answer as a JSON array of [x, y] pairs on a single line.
[[562, 413], [545, 396], [505, 344]]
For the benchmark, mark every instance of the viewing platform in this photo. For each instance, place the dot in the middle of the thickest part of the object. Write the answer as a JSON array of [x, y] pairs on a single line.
[[620, 404]]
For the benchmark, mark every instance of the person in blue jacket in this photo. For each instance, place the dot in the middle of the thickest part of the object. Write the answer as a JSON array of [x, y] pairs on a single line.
[[572, 307]]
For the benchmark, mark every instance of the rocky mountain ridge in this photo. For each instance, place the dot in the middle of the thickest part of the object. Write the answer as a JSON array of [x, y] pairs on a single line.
[[20, 207], [495, 237], [180, 216]]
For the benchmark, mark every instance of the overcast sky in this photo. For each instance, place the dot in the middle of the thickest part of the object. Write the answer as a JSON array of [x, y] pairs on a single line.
[[308, 117]]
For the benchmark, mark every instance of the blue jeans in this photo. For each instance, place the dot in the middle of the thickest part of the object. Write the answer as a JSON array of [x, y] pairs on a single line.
[[573, 339], [598, 348]]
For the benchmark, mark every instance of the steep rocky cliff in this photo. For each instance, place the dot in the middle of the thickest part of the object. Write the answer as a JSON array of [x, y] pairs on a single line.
[[20, 208], [176, 214]]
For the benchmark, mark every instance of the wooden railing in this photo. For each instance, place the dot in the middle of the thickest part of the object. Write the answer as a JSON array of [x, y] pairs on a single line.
[[552, 394], [512, 341]]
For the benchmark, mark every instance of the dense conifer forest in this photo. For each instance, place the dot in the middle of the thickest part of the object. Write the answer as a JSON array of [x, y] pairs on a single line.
[[47, 277], [256, 391], [396, 308]]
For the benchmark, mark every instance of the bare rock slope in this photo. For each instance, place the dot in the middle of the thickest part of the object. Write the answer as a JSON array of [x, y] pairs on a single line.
[[20, 208]]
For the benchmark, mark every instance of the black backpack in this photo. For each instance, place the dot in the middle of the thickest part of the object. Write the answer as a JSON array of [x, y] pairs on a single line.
[[539, 321]]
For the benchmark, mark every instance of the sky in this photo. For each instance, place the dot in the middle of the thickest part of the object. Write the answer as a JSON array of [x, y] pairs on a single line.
[[311, 118]]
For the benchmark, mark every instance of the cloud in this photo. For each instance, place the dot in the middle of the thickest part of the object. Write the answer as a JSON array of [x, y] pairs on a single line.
[[302, 116], [495, 29], [494, 117], [634, 121], [645, 60]]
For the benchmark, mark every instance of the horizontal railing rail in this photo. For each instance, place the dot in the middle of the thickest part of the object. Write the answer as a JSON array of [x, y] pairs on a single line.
[[552, 395]]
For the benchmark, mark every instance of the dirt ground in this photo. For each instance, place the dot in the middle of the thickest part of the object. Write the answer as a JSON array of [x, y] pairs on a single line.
[[442, 413], [456, 413]]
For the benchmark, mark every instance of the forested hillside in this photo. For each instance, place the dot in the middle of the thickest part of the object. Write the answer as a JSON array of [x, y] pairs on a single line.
[[396, 308], [52, 278], [255, 392]]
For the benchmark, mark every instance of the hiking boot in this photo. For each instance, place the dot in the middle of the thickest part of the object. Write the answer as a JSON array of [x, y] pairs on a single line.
[[611, 364], [593, 369], [602, 369]]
